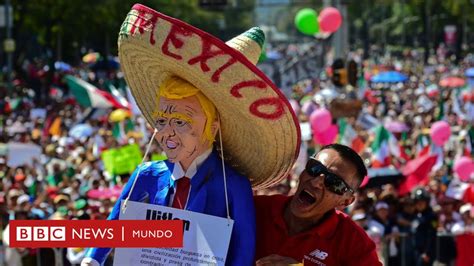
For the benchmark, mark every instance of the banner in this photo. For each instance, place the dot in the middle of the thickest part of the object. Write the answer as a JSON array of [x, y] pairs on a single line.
[[450, 34], [287, 72], [206, 238], [345, 108], [22, 153], [122, 160]]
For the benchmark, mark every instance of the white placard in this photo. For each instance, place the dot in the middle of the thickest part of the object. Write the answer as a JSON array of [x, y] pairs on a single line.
[[206, 238], [38, 113], [305, 131], [22, 153]]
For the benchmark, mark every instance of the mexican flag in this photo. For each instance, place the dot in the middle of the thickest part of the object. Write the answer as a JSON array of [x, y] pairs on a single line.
[[88, 95], [348, 136], [383, 146], [117, 95]]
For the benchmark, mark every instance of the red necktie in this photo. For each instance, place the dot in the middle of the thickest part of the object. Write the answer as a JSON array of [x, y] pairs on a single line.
[[182, 190]]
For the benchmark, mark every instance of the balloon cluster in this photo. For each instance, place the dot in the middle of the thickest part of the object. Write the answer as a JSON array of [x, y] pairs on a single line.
[[440, 133], [308, 22]]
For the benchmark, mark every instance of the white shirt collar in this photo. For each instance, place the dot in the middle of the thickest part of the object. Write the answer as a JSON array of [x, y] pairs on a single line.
[[178, 171]]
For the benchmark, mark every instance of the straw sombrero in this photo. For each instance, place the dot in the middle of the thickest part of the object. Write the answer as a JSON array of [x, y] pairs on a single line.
[[260, 132]]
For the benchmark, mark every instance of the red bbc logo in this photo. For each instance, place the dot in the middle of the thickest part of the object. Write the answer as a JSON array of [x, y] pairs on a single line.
[[83, 233], [41, 233]]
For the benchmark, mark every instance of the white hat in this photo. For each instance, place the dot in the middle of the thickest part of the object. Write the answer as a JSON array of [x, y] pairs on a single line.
[[381, 205], [465, 208], [359, 216], [22, 199]]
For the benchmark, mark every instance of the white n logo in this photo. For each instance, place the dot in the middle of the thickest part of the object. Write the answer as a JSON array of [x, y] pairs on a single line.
[[319, 254]]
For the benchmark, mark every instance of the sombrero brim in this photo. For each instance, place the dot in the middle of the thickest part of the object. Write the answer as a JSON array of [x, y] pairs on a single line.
[[261, 134]]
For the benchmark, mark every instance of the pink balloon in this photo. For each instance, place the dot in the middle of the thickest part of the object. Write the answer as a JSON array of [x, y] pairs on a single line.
[[440, 132], [320, 120], [464, 167], [326, 137], [330, 19]]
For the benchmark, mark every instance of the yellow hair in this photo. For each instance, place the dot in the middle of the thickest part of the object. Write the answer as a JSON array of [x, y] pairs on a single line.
[[176, 88]]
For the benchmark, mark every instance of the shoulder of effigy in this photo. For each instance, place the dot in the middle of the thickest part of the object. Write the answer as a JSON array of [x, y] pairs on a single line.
[[236, 178], [155, 168]]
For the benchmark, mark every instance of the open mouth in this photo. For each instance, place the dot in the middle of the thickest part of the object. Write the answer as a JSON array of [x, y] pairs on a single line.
[[306, 197], [171, 144]]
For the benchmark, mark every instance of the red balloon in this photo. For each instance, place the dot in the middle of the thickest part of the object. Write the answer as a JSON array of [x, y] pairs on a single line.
[[330, 19]]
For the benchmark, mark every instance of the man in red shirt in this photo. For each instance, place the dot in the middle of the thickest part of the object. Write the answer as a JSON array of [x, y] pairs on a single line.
[[307, 227]]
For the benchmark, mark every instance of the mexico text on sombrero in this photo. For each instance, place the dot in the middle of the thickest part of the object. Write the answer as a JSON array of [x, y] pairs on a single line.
[[176, 38]]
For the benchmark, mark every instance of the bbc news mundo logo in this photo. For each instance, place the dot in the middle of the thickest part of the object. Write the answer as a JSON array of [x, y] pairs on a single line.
[[104, 233]]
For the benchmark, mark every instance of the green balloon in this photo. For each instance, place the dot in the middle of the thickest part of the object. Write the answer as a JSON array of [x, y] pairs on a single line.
[[306, 21]]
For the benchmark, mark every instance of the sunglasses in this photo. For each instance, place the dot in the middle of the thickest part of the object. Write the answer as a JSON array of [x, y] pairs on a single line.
[[332, 182]]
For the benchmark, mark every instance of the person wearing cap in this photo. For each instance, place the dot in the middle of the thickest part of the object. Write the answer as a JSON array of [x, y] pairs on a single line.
[[308, 227], [466, 225], [424, 228], [215, 115]]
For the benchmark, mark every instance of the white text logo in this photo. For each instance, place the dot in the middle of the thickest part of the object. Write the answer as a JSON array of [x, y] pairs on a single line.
[[319, 254]]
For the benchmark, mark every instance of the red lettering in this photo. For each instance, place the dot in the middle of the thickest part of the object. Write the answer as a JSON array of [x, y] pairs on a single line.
[[173, 39], [205, 55], [145, 20], [23, 233], [40, 233], [215, 77], [249, 83], [60, 233], [276, 102]]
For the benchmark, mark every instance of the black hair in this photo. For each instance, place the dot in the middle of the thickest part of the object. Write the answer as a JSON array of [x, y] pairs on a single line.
[[350, 155]]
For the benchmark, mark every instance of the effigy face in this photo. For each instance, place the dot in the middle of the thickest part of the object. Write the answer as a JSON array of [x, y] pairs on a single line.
[[180, 125]]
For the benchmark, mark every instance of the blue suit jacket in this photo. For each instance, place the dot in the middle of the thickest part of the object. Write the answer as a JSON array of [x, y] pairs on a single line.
[[155, 185]]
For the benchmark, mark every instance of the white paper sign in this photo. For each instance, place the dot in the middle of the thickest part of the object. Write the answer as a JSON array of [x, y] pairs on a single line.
[[205, 242], [22, 153], [305, 131], [37, 113]]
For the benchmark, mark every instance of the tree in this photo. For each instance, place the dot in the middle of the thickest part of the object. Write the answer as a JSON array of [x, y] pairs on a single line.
[[62, 27]]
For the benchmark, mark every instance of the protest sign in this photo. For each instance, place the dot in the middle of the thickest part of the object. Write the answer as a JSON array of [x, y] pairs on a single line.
[[286, 72], [38, 113], [22, 153], [122, 160], [206, 238]]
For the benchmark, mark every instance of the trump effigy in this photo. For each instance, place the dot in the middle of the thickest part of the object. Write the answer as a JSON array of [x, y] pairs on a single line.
[[223, 125]]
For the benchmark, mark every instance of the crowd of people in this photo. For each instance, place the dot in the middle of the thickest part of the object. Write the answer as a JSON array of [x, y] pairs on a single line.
[[69, 180], [414, 223]]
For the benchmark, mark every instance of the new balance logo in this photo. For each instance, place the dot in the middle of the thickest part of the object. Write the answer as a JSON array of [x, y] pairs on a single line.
[[319, 254]]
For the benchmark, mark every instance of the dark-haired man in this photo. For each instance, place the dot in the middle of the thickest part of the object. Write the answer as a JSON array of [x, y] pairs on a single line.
[[307, 227]]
